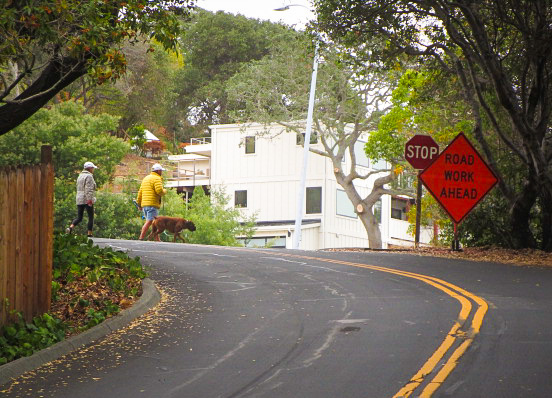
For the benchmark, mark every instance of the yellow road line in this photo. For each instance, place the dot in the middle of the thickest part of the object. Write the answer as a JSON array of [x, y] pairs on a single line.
[[456, 292]]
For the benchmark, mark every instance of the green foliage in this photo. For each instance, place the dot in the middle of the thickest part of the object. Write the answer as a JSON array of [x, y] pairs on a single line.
[[424, 102], [216, 223], [45, 45], [21, 339], [137, 134], [76, 257], [460, 90], [95, 316], [116, 217], [75, 137], [215, 47]]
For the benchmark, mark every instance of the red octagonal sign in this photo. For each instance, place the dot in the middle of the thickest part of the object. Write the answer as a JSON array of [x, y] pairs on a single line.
[[420, 150], [459, 178]]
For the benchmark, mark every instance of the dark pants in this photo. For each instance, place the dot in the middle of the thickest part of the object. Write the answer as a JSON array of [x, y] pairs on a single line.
[[80, 213]]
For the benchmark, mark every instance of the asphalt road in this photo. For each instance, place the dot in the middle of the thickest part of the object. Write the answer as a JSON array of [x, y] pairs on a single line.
[[293, 324]]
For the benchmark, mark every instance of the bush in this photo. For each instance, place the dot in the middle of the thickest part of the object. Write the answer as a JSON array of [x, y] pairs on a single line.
[[77, 257], [216, 224], [89, 284], [22, 339], [114, 214]]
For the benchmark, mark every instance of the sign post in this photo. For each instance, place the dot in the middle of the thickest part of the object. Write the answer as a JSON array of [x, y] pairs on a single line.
[[458, 179], [420, 151]]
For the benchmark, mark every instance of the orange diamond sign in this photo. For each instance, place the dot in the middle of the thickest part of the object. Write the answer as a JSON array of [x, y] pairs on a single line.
[[459, 178]]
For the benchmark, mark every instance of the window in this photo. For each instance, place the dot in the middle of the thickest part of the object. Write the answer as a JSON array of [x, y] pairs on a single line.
[[300, 138], [276, 242], [343, 206], [240, 199], [361, 158], [314, 200], [399, 209], [377, 210], [250, 144], [379, 165], [403, 181]]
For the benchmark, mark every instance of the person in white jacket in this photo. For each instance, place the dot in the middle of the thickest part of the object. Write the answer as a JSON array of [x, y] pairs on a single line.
[[86, 197]]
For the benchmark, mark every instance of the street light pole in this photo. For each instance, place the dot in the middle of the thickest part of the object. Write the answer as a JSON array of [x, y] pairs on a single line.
[[306, 143]]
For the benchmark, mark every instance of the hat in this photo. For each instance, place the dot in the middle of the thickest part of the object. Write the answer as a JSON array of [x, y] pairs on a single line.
[[157, 167], [89, 165]]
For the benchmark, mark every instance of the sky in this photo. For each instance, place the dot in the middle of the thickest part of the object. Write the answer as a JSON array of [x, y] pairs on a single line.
[[264, 9]]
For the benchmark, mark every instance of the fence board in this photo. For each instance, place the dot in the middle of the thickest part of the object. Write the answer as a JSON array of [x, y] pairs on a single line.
[[11, 237], [3, 246], [20, 240], [36, 205], [45, 284], [26, 238], [26, 247]]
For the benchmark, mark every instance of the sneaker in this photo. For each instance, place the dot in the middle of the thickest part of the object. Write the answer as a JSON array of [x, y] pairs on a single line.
[[69, 230]]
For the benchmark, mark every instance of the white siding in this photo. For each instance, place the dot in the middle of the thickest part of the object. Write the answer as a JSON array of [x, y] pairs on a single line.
[[271, 178]]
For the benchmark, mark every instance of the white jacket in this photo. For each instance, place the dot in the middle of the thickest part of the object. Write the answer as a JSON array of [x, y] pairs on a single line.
[[86, 188]]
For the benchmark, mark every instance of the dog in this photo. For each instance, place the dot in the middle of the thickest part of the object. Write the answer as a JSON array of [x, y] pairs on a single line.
[[172, 224]]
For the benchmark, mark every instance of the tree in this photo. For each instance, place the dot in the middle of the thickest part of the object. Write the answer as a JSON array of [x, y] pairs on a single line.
[[500, 50], [75, 138], [431, 102], [215, 46], [45, 46], [349, 103]]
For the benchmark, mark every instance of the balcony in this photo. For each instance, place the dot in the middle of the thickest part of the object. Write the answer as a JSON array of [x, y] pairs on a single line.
[[199, 146]]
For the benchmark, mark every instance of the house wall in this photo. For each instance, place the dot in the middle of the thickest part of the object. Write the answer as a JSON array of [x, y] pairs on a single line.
[[270, 175], [271, 178]]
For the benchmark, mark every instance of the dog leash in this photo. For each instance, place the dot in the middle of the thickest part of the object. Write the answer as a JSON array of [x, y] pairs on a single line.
[[138, 208]]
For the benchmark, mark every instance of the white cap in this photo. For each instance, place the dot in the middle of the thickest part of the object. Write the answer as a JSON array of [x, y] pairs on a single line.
[[89, 165], [157, 167]]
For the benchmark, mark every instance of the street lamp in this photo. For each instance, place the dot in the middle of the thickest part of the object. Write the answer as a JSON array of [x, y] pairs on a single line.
[[306, 143]]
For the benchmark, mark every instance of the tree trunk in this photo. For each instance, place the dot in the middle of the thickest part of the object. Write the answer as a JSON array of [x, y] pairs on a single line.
[[372, 228], [546, 218], [522, 235]]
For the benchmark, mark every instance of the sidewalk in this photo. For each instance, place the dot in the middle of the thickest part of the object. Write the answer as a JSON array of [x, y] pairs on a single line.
[[149, 298]]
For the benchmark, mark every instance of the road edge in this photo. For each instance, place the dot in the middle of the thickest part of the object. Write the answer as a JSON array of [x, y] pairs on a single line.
[[149, 298]]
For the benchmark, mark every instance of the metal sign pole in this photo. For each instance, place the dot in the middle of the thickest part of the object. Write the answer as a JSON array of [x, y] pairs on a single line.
[[455, 241], [418, 211]]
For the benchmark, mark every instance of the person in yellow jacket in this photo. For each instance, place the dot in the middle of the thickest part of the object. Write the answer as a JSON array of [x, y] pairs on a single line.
[[149, 196]]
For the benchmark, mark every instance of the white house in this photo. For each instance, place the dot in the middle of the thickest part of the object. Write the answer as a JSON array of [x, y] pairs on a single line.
[[261, 173]]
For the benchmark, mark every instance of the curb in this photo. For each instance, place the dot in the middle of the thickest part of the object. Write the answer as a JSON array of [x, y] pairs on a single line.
[[149, 298]]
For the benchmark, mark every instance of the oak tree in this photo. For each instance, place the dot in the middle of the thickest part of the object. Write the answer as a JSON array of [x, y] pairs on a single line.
[[47, 45]]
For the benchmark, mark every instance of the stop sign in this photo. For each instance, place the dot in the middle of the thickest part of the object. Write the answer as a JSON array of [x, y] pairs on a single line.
[[420, 151]]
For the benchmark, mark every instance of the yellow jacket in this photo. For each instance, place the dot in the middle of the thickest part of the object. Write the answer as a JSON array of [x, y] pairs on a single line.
[[151, 191]]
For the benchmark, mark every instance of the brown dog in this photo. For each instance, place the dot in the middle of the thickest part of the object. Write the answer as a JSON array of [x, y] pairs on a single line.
[[172, 224]]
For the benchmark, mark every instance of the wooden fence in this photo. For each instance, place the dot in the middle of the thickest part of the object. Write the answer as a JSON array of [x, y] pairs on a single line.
[[26, 238]]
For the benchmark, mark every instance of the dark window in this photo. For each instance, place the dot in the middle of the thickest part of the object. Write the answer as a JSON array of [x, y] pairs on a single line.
[[301, 138], [250, 144], [399, 209], [377, 210], [240, 199], [314, 200]]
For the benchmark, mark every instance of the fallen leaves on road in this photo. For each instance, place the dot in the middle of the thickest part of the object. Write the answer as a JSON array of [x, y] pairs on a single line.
[[490, 254]]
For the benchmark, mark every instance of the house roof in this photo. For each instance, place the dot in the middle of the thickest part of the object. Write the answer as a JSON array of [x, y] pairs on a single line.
[[150, 136]]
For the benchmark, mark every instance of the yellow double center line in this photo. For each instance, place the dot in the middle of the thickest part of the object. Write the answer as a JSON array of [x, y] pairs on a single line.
[[456, 332]]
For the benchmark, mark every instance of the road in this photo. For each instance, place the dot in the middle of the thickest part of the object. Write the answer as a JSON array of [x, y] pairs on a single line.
[[294, 324]]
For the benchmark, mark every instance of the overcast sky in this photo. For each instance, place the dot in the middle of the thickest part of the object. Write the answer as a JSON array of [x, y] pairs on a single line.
[[263, 9]]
